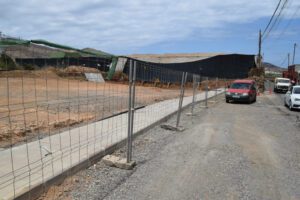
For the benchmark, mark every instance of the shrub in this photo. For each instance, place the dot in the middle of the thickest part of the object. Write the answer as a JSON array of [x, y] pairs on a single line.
[[29, 67], [6, 63]]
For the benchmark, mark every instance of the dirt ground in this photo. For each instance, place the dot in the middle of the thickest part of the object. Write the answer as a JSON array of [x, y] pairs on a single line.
[[229, 151], [34, 104]]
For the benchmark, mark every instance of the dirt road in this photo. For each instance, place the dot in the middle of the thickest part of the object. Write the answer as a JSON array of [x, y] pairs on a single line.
[[232, 151], [229, 151]]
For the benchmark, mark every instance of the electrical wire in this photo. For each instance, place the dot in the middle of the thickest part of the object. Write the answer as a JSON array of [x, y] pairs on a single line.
[[280, 19], [291, 18], [281, 34], [285, 59], [272, 17], [277, 20]]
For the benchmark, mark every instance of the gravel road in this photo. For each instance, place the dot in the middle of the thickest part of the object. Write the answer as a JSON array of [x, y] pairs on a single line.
[[229, 151]]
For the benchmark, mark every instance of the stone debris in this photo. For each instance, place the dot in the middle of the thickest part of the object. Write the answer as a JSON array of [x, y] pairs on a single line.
[[114, 161]]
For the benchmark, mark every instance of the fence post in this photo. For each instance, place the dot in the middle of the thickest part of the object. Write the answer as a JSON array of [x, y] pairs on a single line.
[[129, 139], [183, 80], [216, 89], [269, 85], [194, 93], [132, 107], [206, 92]]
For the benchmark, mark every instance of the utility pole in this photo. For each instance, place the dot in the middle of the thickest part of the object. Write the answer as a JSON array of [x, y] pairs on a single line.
[[259, 50], [288, 59], [295, 45]]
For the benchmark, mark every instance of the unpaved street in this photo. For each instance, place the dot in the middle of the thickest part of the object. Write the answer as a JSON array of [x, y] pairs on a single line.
[[229, 151]]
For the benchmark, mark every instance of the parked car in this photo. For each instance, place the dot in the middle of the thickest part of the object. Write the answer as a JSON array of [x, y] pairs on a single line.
[[281, 84], [242, 91], [292, 97]]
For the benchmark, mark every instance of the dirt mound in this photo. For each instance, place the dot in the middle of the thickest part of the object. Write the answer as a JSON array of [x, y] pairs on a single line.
[[75, 72], [80, 69], [50, 72]]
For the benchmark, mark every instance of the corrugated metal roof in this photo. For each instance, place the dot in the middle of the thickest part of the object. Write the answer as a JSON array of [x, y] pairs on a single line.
[[173, 58]]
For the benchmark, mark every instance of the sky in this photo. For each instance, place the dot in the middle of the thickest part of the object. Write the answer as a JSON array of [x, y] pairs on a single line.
[[125, 27]]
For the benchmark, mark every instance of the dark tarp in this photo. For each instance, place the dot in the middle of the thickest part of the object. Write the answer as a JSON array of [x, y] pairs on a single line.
[[95, 62], [231, 66]]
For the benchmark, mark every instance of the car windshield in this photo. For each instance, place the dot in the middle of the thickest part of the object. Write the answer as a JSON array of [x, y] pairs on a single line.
[[296, 91], [283, 81], [240, 86]]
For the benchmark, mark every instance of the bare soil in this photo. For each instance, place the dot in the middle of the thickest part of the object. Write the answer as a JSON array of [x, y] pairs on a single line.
[[34, 104]]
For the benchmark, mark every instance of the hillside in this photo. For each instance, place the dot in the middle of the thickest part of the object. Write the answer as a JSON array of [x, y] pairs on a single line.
[[96, 52], [271, 67], [17, 48]]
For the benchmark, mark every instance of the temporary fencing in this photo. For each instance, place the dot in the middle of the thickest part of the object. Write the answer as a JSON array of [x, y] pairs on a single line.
[[53, 119]]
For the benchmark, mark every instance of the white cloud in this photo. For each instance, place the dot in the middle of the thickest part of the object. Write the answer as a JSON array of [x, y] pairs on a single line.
[[119, 25]]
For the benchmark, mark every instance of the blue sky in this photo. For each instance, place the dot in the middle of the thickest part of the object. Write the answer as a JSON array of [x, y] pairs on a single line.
[[156, 26]]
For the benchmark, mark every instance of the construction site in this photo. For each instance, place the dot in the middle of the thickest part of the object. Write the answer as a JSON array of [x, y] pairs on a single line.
[[48, 91], [149, 100], [62, 108]]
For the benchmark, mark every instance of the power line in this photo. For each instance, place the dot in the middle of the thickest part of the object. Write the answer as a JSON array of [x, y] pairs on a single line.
[[291, 18], [272, 17], [285, 59], [281, 17], [277, 19]]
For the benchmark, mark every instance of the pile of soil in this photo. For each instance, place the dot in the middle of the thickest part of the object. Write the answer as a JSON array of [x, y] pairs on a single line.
[[75, 72], [42, 73], [80, 69]]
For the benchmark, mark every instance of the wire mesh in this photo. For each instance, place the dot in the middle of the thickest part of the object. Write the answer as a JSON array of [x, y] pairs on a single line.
[[58, 113]]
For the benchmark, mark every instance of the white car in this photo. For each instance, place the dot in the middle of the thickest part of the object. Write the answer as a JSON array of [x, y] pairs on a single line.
[[292, 98], [281, 84]]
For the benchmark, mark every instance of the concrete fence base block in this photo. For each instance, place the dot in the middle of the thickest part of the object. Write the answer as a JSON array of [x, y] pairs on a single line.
[[190, 114], [172, 128], [203, 106], [180, 129], [114, 161]]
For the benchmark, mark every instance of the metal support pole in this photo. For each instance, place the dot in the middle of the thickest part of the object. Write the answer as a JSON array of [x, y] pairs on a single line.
[[195, 86], [129, 139], [294, 53], [183, 80], [206, 92], [216, 89], [132, 106]]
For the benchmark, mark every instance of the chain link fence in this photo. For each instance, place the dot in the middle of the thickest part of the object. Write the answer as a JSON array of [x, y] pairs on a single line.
[[58, 115]]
